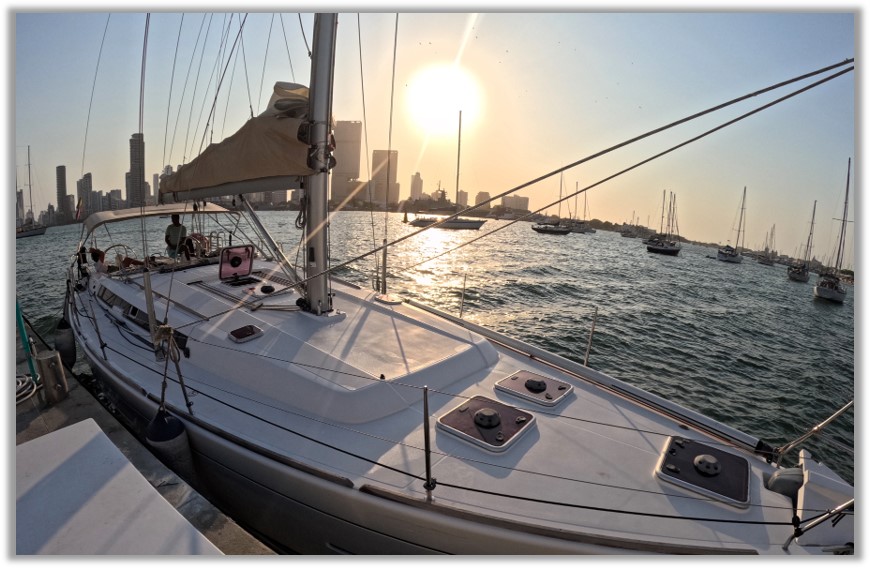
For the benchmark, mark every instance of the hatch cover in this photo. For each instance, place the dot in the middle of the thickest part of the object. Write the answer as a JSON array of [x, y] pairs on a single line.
[[536, 388], [706, 470], [487, 423]]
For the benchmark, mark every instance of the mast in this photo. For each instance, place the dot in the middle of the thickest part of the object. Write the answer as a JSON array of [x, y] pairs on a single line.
[[29, 190], [842, 242], [740, 224], [323, 59], [458, 153], [662, 222], [810, 238]]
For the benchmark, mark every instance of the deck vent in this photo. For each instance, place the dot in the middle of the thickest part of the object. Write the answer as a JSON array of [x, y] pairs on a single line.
[[706, 470], [487, 423], [534, 387]]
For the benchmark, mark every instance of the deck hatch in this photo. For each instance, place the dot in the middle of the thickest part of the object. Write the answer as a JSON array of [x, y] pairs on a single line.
[[487, 423], [536, 388], [706, 470]]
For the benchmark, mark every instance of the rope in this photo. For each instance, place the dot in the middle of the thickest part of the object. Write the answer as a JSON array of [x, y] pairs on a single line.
[[165, 334]]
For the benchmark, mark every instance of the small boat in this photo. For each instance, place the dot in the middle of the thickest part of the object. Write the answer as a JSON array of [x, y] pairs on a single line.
[[551, 228], [29, 228], [456, 223], [729, 253], [830, 286], [800, 271], [665, 242]]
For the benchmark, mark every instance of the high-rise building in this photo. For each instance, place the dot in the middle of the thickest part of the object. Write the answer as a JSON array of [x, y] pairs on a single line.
[[156, 185], [462, 198], [136, 180], [416, 186], [345, 174], [60, 176], [385, 164], [481, 197], [516, 202], [83, 195], [19, 205]]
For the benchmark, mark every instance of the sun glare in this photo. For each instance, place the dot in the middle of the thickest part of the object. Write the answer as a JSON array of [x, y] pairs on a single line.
[[436, 95]]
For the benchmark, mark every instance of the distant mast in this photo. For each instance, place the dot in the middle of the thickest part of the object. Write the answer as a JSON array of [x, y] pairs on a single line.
[[458, 153]]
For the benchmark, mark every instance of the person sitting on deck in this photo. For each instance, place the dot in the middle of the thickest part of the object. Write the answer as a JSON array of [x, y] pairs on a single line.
[[100, 266], [176, 235]]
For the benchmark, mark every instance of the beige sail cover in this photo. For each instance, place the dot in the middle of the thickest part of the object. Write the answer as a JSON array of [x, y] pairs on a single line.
[[265, 147]]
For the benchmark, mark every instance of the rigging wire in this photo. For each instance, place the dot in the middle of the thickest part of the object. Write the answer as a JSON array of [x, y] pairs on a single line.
[[184, 92], [265, 57], [365, 125], [287, 47], [189, 150], [211, 112], [171, 84], [304, 39], [91, 102]]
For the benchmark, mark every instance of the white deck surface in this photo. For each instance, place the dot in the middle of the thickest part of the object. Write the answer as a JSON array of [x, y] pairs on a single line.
[[76, 494]]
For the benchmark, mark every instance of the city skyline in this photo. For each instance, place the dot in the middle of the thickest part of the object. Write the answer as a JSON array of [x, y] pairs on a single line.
[[550, 89]]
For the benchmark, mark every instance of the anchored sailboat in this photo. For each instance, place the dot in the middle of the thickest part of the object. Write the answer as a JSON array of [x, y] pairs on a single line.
[[28, 227], [729, 253], [829, 285], [665, 242], [457, 222], [800, 271]]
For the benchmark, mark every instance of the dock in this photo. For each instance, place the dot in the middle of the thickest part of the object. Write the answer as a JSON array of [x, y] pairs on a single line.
[[85, 485]]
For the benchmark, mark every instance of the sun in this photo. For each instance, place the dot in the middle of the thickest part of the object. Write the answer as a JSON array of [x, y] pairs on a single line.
[[435, 96]]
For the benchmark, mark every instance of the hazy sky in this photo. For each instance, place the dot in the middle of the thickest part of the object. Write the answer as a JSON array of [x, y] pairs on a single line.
[[537, 91]]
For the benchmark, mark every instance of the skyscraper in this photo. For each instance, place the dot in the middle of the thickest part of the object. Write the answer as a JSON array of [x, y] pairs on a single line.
[[416, 186], [60, 176], [384, 170], [136, 180], [345, 174]]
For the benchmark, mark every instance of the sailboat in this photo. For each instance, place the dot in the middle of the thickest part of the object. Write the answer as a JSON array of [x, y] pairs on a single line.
[[729, 253], [767, 256], [665, 242], [456, 222], [581, 226], [28, 227], [800, 271], [328, 418], [557, 227], [830, 286]]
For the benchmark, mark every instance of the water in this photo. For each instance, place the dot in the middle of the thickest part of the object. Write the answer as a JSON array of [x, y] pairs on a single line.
[[740, 343]]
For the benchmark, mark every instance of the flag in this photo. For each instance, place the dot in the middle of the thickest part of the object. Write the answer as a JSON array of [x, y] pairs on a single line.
[[79, 210]]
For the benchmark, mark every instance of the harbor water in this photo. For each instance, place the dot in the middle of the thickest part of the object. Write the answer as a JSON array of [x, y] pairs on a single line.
[[740, 343]]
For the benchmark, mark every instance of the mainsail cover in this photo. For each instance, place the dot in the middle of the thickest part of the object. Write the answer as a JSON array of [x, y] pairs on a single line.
[[265, 154]]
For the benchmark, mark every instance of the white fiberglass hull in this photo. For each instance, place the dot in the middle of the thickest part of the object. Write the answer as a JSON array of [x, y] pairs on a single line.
[[832, 294]]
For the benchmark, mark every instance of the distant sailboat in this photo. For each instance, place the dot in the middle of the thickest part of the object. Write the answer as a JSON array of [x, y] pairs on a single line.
[[581, 226], [729, 253], [665, 242], [830, 286], [458, 222], [800, 271], [769, 240], [29, 227], [556, 228]]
